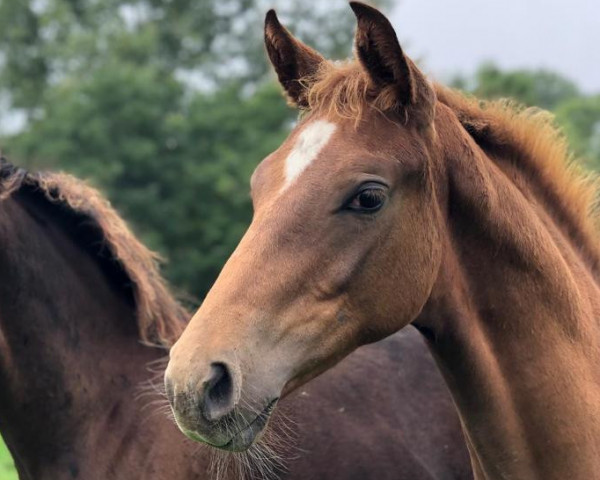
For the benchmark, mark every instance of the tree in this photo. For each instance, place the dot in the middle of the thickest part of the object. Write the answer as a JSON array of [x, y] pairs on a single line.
[[580, 118], [540, 88], [205, 41], [43, 43]]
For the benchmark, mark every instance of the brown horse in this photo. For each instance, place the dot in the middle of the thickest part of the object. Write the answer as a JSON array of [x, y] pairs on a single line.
[[395, 201], [77, 294]]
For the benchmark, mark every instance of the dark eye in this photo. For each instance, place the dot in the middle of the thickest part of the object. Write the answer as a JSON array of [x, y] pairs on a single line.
[[369, 199]]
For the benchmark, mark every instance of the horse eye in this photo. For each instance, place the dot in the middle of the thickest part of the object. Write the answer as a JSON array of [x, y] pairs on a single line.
[[368, 200]]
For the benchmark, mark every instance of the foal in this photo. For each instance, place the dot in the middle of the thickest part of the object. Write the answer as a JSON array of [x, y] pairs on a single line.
[[81, 300], [394, 202]]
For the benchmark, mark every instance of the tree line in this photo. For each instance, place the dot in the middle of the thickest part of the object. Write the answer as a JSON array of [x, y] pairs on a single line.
[[168, 106]]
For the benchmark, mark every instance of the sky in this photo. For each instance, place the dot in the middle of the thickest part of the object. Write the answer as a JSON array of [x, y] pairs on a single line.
[[449, 36]]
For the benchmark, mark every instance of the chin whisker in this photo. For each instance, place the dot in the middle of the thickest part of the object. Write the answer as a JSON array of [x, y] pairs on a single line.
[[266, 459]]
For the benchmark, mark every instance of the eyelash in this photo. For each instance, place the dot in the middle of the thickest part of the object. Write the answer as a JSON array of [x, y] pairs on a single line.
[[374, 191]]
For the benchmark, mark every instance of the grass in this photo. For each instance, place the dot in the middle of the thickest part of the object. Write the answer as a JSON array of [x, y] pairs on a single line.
[[7, 467]]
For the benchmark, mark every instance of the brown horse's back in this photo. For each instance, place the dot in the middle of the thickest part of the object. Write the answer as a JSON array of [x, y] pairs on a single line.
[[383, 413]]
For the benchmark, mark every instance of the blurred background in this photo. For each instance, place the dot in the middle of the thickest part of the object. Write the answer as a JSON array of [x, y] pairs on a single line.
[[168, 105]]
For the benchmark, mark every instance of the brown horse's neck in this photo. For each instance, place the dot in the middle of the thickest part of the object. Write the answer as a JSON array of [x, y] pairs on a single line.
[[71, 365], [514, 322]]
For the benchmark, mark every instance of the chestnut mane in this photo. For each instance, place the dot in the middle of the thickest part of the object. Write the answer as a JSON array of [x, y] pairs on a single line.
[[527, 136], [160, 317]]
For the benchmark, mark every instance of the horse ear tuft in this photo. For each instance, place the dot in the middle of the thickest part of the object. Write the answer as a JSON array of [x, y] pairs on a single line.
[[293, 61]]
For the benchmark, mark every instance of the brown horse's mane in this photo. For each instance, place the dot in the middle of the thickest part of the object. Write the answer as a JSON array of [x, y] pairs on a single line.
[[528, 136], [160, 317]]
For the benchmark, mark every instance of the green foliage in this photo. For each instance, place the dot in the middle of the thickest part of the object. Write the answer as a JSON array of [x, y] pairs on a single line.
[[580, 118], [45, 42], [540, 88], [7, 466]]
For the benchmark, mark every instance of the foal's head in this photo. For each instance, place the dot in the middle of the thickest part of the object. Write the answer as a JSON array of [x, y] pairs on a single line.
[[343, 248]]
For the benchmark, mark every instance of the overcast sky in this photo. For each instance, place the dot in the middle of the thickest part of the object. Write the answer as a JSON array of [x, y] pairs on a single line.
[[456, 36]]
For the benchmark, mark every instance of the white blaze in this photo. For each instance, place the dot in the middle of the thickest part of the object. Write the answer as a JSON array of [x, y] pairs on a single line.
[[310, 142]]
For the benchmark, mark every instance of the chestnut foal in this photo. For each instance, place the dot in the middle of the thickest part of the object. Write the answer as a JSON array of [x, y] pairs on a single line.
[[77, 294], [398, 202]]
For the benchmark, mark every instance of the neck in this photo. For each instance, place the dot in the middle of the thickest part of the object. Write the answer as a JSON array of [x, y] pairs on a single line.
[[513, 322], [71, 366]]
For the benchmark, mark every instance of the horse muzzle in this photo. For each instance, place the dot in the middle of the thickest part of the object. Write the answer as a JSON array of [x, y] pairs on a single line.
[[211, 409]]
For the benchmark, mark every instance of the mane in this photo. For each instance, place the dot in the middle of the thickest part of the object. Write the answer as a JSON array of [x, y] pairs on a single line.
[[528, 136], [343, 89], [160, 318], [532, 142]]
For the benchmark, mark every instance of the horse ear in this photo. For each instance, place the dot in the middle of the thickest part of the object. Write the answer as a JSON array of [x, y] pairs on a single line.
[[293, 61], [379, 51]]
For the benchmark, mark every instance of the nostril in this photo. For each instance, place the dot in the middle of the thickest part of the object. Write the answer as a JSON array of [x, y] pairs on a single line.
[[218, 392]]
